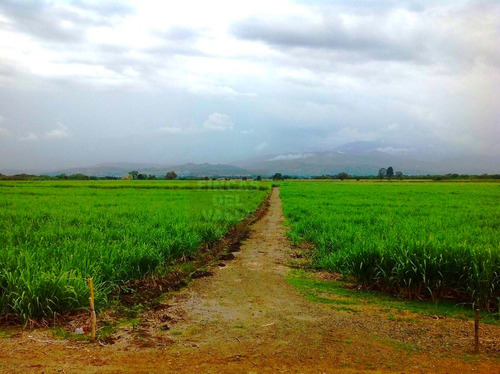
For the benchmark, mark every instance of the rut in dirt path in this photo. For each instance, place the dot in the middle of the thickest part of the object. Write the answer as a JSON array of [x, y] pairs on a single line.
[[247, 308], [249, 300]]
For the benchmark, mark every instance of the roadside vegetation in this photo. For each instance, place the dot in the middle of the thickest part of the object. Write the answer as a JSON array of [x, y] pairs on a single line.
[[340, 294], [56, 234], [419, 240]]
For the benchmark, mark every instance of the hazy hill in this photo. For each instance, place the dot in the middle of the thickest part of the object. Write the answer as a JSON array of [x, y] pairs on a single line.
[[185, 170], [357, 158], [360, 158], [366, 158]]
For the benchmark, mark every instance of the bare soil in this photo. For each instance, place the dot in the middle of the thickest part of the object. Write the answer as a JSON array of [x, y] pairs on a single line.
[[245, 317]]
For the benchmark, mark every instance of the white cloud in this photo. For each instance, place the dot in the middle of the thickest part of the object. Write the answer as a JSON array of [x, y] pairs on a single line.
[[30, 136], [394, 150], [3, 130], [262, 147], [173, 130], [350, 134], [218, 122], [292, 156], [214, 122], [393, 127], [60, 132]]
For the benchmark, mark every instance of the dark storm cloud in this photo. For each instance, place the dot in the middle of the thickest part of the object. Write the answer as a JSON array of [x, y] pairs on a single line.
[[409, 32], [330, 34]]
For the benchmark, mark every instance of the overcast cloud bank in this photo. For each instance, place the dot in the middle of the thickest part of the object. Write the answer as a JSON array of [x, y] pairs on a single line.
[[85, 82]]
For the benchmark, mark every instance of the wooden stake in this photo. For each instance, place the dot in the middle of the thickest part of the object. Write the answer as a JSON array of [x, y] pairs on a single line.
[[476, 332], [93, 318]]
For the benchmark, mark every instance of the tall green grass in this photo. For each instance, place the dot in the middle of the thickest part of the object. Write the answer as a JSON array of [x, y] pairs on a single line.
[[425, 240], [54, 235]]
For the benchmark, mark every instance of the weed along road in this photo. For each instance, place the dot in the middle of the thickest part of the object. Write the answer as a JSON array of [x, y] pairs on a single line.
[[254, 313]]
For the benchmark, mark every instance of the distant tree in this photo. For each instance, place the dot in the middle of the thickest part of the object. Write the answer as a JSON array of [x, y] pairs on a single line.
[[278, 177], [382, 172], [78, 176], [244, 178], [343, 176], [142, 176], [133, 174], [259, 178], [151, 176], [390, 172], [398, 174], [171, 175]]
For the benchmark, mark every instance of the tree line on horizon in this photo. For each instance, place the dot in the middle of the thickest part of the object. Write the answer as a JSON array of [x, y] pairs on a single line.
[[172, 175]]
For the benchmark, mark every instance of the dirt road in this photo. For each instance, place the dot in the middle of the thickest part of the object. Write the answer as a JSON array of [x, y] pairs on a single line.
[[247, 318]]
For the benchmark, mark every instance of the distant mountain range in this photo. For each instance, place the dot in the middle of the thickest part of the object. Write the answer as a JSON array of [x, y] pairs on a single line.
[[358, 158], [366, 158]]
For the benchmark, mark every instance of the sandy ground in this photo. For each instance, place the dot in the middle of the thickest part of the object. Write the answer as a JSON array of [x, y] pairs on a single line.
[[246, 318]]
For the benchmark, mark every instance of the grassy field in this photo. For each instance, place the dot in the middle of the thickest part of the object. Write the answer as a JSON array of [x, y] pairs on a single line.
[[420, 240], [53, 235]]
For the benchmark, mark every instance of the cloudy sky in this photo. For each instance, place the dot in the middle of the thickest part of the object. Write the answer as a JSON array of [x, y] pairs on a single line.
[[84, 82]]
